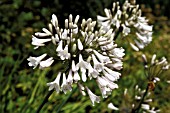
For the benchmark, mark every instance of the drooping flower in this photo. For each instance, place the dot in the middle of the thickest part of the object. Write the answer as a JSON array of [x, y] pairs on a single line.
[[46, 63], [92, 96], [55, 84], [34, 61]]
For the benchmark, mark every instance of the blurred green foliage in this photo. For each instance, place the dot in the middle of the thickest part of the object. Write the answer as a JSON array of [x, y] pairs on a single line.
[[22, 89]]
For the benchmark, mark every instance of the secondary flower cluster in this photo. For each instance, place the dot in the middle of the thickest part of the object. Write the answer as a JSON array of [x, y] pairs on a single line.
[[146, 101], [84, 54], [155, 67], [127, 19]]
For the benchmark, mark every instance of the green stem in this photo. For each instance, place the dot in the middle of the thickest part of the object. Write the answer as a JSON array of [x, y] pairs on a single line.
[[62, 104], [44, 101], [136, 109], [118, 32]]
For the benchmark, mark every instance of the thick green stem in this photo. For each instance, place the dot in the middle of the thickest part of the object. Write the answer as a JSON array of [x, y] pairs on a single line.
[[44, 101], [62, 104]]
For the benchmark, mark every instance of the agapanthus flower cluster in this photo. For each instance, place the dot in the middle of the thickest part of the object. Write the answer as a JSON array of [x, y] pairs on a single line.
[[127, 19], [145, 106], [84, 54], [155, 67]]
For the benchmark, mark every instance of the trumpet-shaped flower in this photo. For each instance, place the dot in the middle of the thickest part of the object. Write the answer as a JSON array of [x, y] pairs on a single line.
[[55, 84], [34, 61], [92, 96], [46, 63]]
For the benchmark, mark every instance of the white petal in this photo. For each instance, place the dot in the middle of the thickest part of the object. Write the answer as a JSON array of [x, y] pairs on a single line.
[[60, 46], [134, 47], [101, 18], [80, 45], [46, 63], [39, 42], [145, 106], [83, 74], [65, 86], [39, 34], [54, 21], [76, 76], [76, 19], [92, 96], [102, 58], [70, 77], [55, 84], [153, 59], [34, 61], [111, 106], [73, 66], [46, 31], [97, 65], [139, 44]]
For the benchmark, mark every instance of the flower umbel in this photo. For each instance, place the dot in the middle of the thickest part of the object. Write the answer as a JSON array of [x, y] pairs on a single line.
[[84, 53], [127, 20]]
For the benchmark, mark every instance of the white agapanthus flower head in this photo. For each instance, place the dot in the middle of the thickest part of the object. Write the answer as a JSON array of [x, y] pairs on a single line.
[[127, 19], [84, 53], [155, 67]]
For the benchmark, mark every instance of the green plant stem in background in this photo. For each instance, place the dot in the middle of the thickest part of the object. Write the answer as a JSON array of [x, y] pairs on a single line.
[[136, 109], [44, 101], [62, 104]]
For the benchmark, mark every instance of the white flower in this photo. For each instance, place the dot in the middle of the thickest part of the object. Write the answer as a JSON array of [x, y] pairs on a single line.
[[46, 31], [123, 20], [145, 106], [60, 46], [82, 54], [73, 66], [92, 96], [55, 84], [110, 84], [156, 79], [143, 26], [82, 65], [80, 45], [117, 65], [39, 42], [54, 21], [46, 63], [65, 86], [153, 59], [113, 75], [118, 52], [126, 30], [140, 44], [63, 53], [70, 77], [104, 86], [103, 59], [111, 106], [34, 61], [38, 34], [134, 47], [76, 76], [97, 65]]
